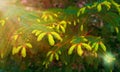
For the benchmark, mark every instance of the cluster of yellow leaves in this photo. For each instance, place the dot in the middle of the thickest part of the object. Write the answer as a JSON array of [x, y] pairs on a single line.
[[52, 54], [97, 44], [21, 48], [50, 36], [79, 49], [48, 16], [95, 5]]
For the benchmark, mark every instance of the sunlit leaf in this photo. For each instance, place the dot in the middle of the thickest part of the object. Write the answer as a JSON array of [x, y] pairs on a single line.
[[56, 35], [56, 56], [51, 57], [2, 22], [103, 46], [62, 28], [87, 46], [71, 49], [96, 46], [29, 45], [51, 40], [79, 50], [37, 33], [16, 49], [39, 38], [49, 53], [99, 7], [34, 31], [81, 27], [23, 52]]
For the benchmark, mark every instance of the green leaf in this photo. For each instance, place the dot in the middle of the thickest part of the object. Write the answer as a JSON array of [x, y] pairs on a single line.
[[49, 53], [103, 46], [71, 49], [96, 47], [56, 56], [51, 57]]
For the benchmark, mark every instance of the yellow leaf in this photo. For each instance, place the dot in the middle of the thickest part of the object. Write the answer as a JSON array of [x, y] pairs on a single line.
[[56, 35], [41, 36], [57, 28], [87, 46], [96, 46], [103, 46], [34, 31], [50, 17], [71, 49], [15, 37], [23, 52], [74, 23], [37, 33], [29, 45], [99, 7], [83, 10], [16, 49], [62, 28], [78, 13], [51, 57], [49, 53], [2, 22], [38, 20], [81, 27], [117, 29], [51, 40], [55, 15], [56, 56], [79, 50], [63, 22]]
